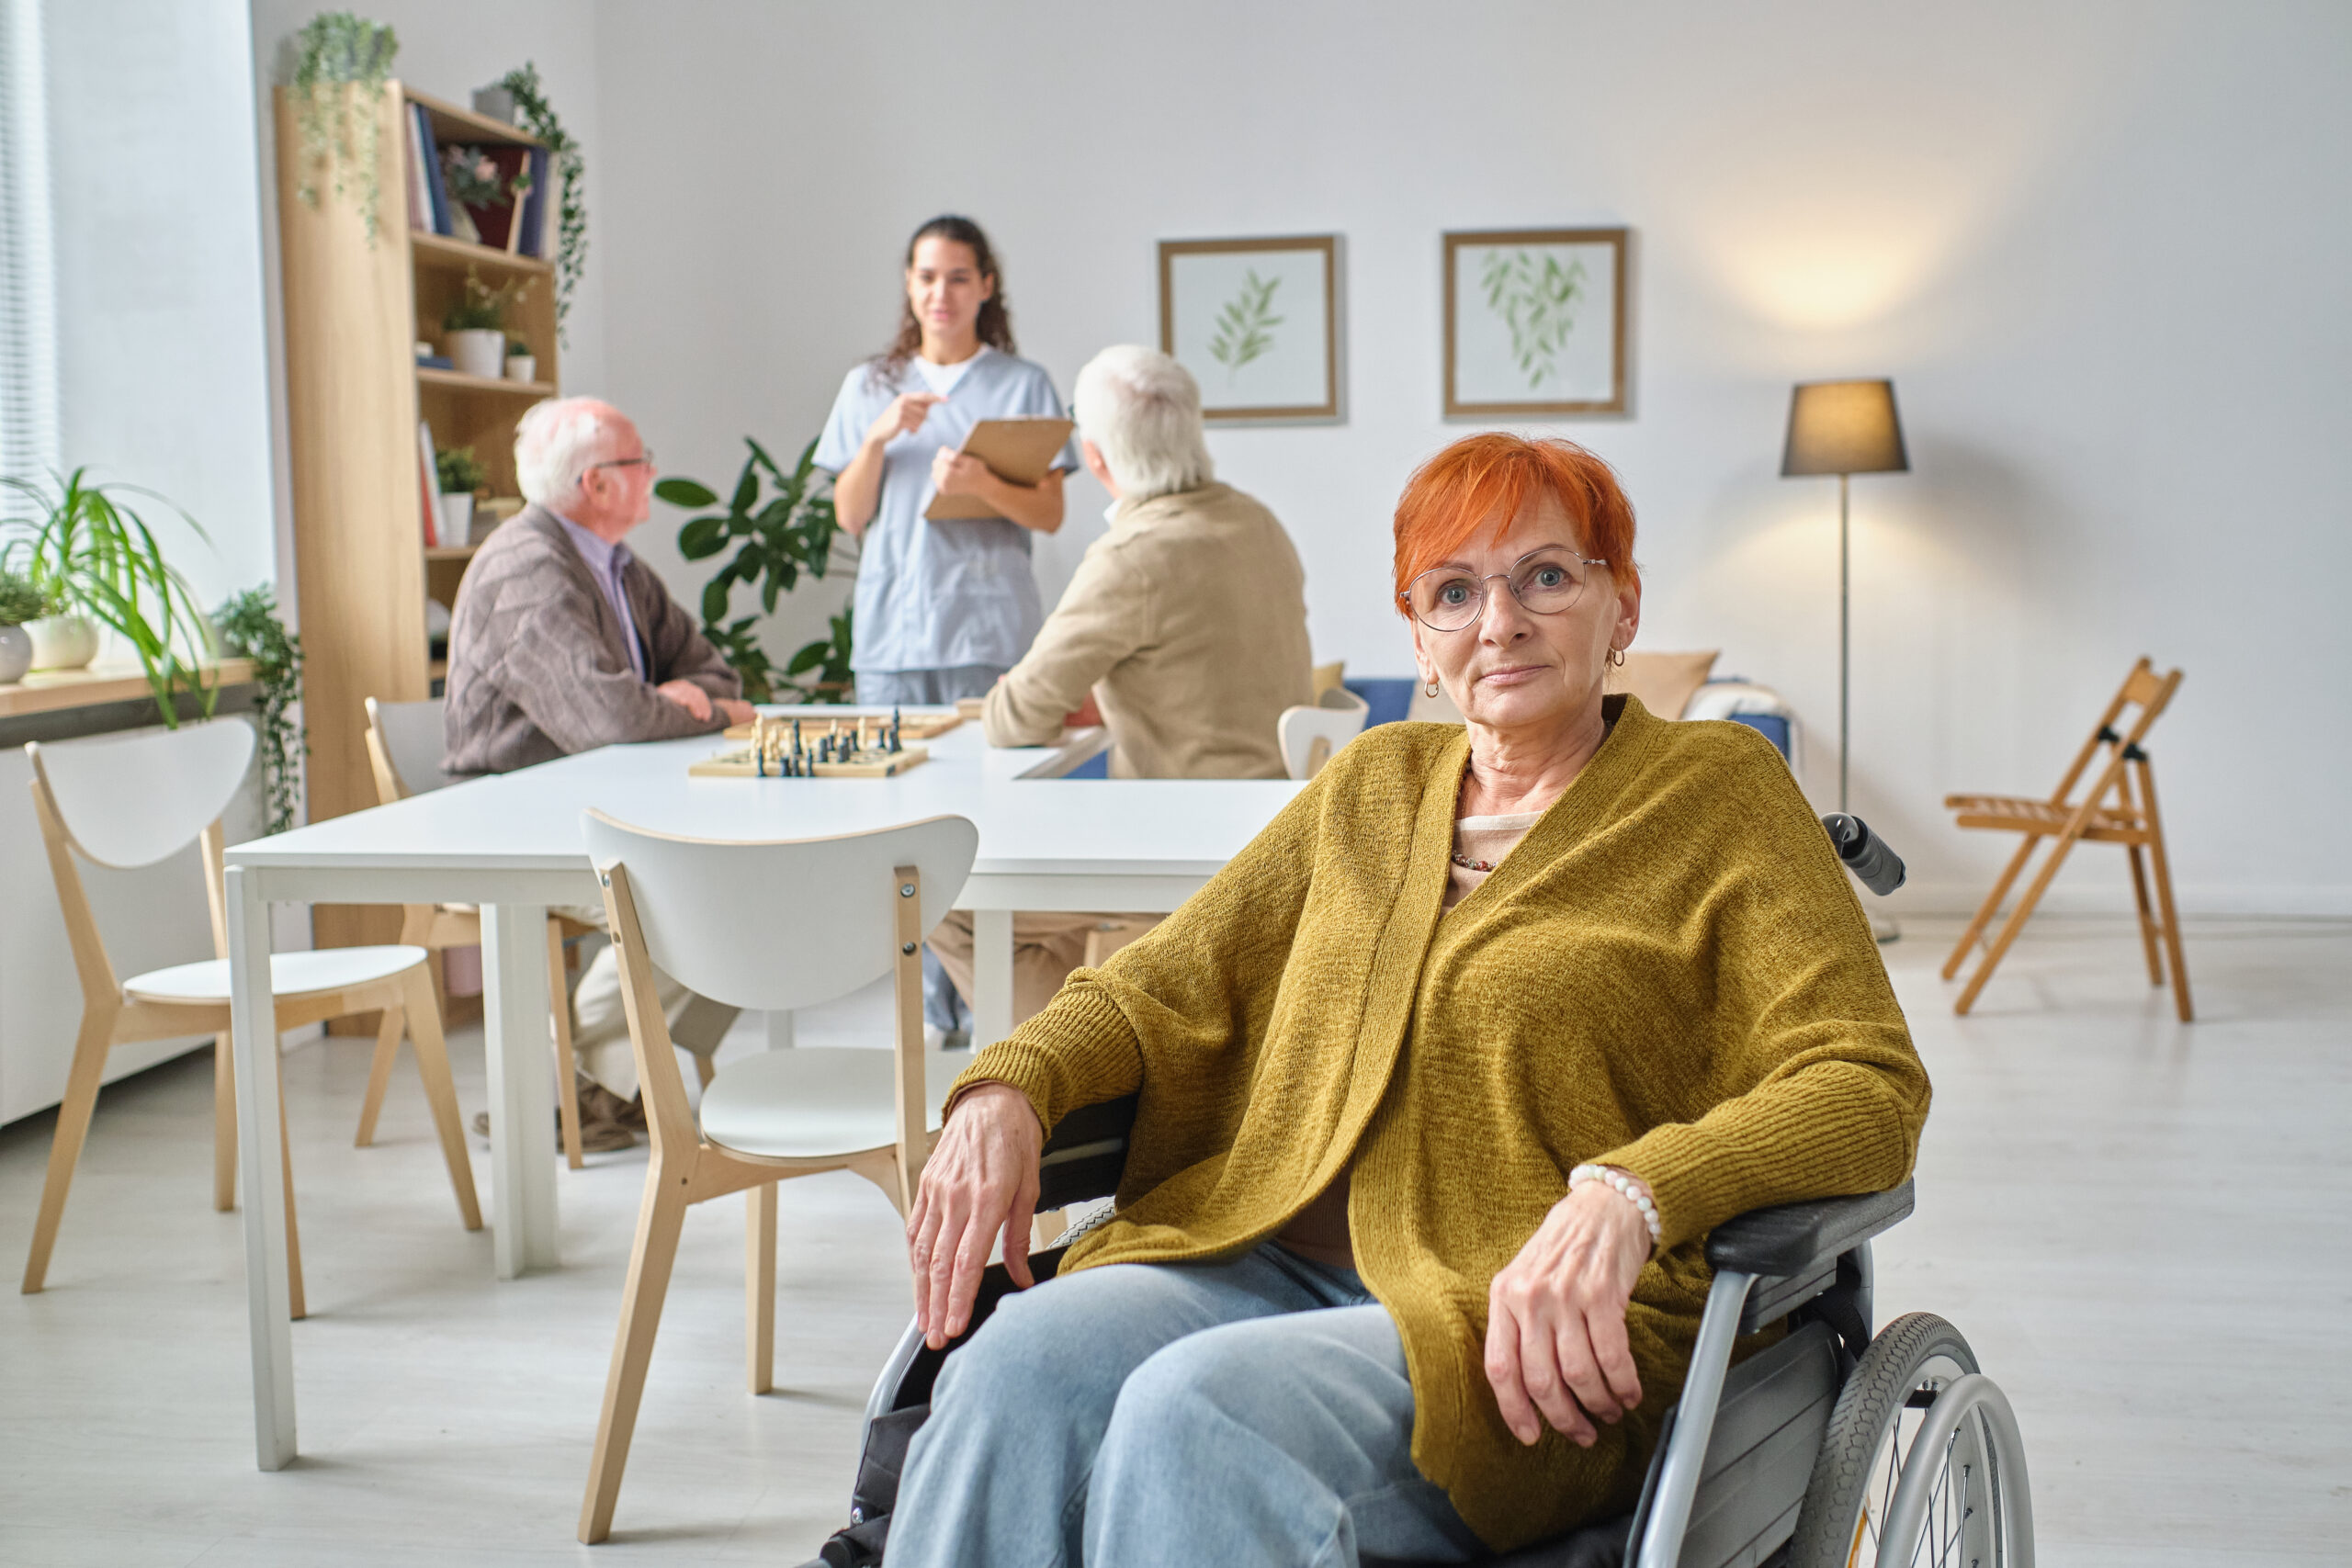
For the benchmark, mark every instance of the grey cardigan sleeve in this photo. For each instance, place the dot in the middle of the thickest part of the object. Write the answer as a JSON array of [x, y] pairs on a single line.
[[552, 666]]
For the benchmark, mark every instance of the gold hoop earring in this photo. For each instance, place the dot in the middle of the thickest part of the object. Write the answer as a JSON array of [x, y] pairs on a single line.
[[1617, 657], [1430, 690]]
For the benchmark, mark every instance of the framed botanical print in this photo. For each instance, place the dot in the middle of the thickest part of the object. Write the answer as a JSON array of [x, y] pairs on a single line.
[[1257, 322], [1535, 322]]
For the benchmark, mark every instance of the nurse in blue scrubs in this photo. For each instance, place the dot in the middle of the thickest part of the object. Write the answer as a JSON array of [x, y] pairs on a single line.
[[942, 608]]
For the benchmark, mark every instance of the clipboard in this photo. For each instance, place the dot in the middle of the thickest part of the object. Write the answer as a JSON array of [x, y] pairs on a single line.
[[1017, 451]]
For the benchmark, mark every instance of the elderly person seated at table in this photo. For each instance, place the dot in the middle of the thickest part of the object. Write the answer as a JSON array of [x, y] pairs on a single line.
[[563, 641], [1186, 624], [1443, 1081]]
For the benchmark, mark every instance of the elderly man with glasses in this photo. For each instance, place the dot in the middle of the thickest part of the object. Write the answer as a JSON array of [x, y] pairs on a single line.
[[563, 641]]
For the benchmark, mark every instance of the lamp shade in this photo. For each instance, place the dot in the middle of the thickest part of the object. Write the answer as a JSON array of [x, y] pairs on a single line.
[[1843, 427]]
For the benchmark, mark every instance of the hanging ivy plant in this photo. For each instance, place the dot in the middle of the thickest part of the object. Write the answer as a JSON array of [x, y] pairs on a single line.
[[534, 113], [250, 629], [339, 72]]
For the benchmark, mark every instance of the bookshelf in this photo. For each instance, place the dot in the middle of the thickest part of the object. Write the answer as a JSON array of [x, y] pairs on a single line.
[[354, 312]]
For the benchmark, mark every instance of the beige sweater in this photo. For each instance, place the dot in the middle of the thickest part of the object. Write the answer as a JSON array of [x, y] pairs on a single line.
[[1188, 623], [1669, 974]]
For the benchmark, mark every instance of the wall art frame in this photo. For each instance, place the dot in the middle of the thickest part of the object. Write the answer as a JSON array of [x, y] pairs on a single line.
[[1535, 323], [1258, 322]]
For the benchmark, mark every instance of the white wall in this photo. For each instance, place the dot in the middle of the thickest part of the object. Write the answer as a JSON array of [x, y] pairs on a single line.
[[160, 350], [2098, 248]]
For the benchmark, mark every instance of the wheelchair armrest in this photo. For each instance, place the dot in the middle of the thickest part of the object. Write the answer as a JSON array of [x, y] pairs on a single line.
[[1087, 1154], [1795, 1239]]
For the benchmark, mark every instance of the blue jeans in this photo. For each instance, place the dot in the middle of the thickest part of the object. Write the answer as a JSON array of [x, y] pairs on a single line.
[[942, 1007], [1256, 1411]]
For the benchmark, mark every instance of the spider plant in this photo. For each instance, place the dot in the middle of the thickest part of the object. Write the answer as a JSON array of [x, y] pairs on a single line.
[[88, 552]]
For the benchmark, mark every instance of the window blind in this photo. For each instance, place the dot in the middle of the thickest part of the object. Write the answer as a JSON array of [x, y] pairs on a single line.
[[28, 442]]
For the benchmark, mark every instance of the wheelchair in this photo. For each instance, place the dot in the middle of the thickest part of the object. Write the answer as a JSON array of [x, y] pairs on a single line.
[[1835, 1447]]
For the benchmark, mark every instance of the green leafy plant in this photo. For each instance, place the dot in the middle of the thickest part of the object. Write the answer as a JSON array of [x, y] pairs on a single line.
[[1536, 301], [90, 553], [461, 472], [828, 659], [19, 599], [774, 541], [250, 628], [471, 175], [1244, 328], [480, 307], [534, 114], [341, 64]]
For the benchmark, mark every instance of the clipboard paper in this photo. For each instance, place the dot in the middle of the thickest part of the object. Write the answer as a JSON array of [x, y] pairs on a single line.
[[1017, 451]]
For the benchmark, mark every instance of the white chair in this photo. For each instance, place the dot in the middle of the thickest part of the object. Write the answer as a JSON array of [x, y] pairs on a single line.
[[771, 925], [130, 803], [404, 750], [1309, 735]]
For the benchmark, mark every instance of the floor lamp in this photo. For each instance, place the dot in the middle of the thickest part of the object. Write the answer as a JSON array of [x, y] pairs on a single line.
[[1843, 428]]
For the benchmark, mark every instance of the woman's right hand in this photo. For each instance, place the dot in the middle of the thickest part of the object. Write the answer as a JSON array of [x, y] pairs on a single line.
[[907, 411], [981, 1179]]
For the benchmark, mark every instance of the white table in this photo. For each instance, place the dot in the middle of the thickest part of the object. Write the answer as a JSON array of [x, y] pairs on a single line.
[[512, 844]]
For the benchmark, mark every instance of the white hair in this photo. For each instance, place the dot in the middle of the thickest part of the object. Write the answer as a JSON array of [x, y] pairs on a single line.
[[1142, 411], [558, 442]]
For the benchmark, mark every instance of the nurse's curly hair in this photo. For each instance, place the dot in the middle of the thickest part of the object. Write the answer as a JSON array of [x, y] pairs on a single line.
[[995, 325]]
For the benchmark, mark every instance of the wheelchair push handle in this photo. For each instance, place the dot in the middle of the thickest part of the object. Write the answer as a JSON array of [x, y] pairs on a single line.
[[1866, 855]]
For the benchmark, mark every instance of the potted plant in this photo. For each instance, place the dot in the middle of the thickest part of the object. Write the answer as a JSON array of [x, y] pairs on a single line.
[[522, 365], [94, 562], [250, 628], [341, 62], [475, 324], [461, 474], [20, 602], [528, 107], [794, 532]]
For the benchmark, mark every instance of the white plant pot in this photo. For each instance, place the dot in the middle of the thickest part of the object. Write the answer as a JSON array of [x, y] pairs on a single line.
[[16, 654], [522, 367], [478, 351], [456, 519], [63, 642]]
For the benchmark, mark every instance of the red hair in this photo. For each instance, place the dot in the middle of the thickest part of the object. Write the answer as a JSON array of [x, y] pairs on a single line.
[[1487, 480]]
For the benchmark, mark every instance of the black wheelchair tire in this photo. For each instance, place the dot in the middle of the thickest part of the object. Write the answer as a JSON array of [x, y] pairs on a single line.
[[1917, 1352]]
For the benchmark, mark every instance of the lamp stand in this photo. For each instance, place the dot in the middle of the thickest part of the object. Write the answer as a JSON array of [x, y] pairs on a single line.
[[1883, 928]]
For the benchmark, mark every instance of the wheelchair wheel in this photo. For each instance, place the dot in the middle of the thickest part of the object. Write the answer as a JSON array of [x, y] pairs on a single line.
[[1976, 1515]]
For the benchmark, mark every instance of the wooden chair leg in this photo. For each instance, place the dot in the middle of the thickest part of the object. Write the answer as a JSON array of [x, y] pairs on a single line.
[[2160, 864], [293, 1237], [380, 1074], [658, 1224], [2017, 917], [706, 1068], [1991, 907], [65, 1144], [759, 1285], [224, 1125], [2147, 917], [440, 1092], [567, 1065]]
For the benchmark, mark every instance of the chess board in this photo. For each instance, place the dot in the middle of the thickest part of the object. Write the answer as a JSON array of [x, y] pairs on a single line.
[[924, 724], [865, 747]]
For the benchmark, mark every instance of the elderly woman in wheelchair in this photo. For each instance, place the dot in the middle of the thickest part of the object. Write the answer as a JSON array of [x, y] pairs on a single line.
[[1443, 1083]]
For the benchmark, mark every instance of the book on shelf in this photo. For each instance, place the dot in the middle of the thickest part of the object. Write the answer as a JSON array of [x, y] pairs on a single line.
[[495, 222], [534, 206], [429, 474], [429, 152], [420, 200]]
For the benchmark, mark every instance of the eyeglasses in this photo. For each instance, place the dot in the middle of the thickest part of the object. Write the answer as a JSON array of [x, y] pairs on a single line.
[[1544, 581], [646, 457]]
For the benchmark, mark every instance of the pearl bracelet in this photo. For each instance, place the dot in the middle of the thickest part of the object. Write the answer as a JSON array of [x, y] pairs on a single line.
[[1626, 1187]]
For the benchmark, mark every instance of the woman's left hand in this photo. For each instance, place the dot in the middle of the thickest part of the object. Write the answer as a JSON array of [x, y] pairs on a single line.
[[1555, 1318], [956, 473]]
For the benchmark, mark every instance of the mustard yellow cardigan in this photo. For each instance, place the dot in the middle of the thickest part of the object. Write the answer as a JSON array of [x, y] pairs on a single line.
[[1670, 973]]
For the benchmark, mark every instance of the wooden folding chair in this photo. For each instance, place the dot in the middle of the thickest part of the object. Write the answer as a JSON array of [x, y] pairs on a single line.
[[131, 803], [2110, 812], [735, 922], [404, 751]]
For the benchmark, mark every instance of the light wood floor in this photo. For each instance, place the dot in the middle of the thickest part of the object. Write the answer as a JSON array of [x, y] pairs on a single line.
[[2141, 1225]]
